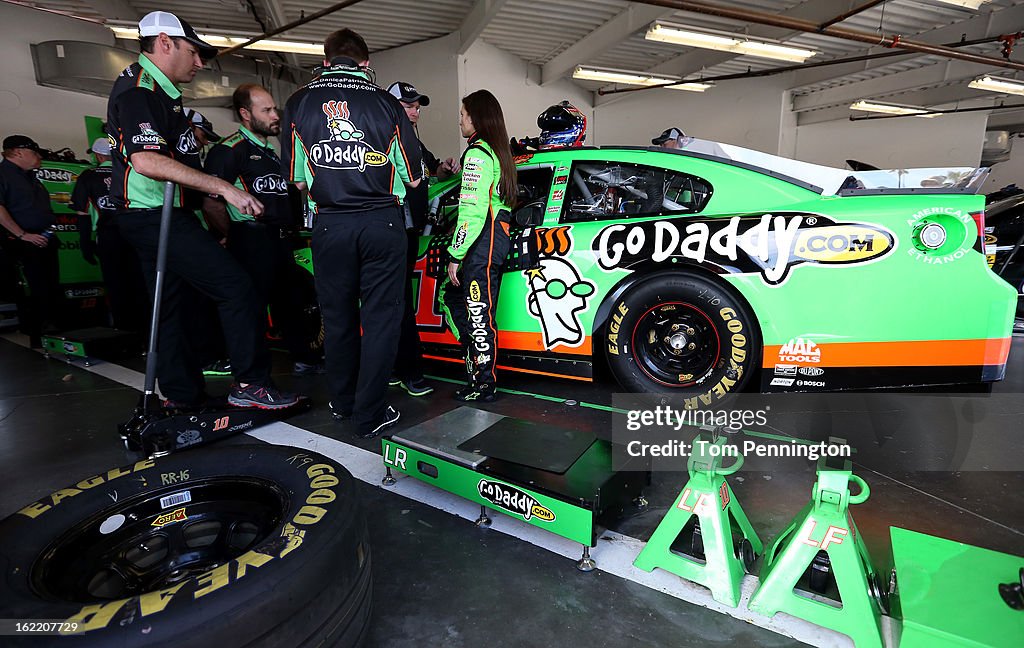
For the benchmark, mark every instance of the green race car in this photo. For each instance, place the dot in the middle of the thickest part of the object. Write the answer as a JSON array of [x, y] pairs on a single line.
[[696, 271]]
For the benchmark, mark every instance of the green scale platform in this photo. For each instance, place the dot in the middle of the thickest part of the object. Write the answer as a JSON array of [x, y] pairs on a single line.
[[949, 593], [556, 479]]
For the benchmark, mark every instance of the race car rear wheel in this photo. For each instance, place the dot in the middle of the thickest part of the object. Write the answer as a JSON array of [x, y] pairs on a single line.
[[682, 333], [233, 546]]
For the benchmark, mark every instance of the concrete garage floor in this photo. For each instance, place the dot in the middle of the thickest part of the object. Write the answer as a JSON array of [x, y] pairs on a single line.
[[438, 580]]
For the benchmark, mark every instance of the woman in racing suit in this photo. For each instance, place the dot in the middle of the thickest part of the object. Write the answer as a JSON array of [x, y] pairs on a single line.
[[480, 243]]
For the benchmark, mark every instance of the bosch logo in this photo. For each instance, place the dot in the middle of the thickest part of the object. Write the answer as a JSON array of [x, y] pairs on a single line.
[[270, 184]]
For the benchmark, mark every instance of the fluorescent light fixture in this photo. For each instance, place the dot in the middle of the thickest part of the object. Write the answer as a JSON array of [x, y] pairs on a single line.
[[995, 84], [268, 45], [627, 77], [891, 109], [681, 35], [970, 4]]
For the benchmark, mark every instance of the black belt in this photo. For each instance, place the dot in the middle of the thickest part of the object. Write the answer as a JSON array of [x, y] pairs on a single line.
[[278, 230]]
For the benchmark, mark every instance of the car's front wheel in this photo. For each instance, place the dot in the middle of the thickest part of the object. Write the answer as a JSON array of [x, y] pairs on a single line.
[[682, 333]]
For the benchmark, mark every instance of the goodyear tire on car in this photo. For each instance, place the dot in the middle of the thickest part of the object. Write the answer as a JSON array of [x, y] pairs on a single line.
[[234, 546], [684, 334]]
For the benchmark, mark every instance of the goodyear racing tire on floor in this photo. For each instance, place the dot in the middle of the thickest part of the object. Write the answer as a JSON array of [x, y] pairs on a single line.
[[684, 334], [235, 546]]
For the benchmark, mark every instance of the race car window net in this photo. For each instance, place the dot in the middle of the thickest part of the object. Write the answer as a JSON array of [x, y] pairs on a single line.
[[616, 190], [531, 200]]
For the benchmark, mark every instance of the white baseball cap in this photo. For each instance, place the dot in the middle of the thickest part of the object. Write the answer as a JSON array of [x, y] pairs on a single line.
[[162, 22], [101, 146]]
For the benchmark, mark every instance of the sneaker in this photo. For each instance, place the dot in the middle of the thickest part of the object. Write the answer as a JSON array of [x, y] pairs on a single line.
[[253, 395], [391, 416], [417, 387], [476, 394], [218, 368], [394, 382], [307, 369], [340, 414]]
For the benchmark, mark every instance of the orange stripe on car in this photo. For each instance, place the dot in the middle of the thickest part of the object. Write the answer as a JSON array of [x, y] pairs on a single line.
[[923, 353], [504, 368], [514, 340]]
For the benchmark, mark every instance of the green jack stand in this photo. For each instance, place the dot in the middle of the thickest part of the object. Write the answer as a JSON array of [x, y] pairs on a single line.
[[707, 510], [822, 542]]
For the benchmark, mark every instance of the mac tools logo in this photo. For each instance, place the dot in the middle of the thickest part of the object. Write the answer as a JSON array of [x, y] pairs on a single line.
[[766, 244], [346, 148]]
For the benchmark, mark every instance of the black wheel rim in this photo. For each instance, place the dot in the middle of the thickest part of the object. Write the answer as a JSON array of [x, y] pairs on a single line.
[[144, 544], [676, 344]]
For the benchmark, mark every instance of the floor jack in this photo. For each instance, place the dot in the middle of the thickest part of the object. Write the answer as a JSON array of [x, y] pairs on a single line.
[[718, 543], [819, 569], [154, 431]]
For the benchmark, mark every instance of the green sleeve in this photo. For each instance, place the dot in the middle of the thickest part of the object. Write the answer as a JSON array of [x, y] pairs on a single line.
[[474, 201]]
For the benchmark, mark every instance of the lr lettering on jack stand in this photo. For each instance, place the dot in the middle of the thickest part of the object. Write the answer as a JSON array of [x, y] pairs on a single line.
[[833, 535], [698, 507], [400, 456]]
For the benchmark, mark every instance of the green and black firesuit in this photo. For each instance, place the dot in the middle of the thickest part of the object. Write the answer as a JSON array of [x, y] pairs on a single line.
[[480, 244]]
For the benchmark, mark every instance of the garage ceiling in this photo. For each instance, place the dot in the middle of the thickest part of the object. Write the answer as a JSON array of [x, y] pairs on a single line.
[[557, 35]]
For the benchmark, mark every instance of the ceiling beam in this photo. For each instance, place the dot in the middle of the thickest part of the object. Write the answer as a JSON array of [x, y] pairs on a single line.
[[981, 25], [945, 96], [902, 82], [608, 35], [277, 18], [476, 21], [699, 59], [114, 9]]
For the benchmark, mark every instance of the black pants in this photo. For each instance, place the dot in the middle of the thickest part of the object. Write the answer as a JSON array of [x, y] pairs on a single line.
[[37, 306], [471, 305], [270, 262], [194, 259], [122, 278], [360, 275], [409, 361]]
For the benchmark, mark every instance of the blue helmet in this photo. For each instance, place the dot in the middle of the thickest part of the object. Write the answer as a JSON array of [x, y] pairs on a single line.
[[562, 125]]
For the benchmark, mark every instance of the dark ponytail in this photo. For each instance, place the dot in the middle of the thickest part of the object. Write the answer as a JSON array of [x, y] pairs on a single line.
[[485, 112]]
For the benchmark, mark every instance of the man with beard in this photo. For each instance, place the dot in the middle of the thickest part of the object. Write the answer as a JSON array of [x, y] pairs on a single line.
[[154, 143], [263, 246]]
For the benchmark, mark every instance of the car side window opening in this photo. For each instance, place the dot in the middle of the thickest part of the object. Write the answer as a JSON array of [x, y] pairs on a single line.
[[534, 187], [617, 190]]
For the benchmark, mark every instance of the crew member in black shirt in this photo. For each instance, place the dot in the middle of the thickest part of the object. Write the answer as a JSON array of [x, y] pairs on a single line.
[[27, 217], [409, 362], [154, 143], [99, 237], [264, 246], [351, 144]]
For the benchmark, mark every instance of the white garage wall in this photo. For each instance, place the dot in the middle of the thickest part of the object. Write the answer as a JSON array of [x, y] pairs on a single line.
[[522, 99], [950, 140], [431, 67], [1010, 171], [744, 113], [52, 117]]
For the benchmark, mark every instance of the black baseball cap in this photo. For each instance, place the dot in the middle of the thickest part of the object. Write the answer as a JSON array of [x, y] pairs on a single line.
[[408, 93], [21, 142], [156, 22], [202, 123], [668, 134]]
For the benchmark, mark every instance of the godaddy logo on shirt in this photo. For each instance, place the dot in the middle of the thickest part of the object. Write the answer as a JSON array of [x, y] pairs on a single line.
[[346, 148]]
